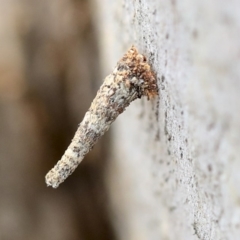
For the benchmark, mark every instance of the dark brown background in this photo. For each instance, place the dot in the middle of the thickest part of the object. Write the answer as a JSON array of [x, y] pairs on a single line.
[[48, 77]]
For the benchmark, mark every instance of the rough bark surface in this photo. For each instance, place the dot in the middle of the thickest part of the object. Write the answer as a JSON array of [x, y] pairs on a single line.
[[175, 163]]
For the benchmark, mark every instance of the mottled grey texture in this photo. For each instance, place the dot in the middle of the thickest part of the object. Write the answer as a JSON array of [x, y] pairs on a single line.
[[174, 169], [131, 79]]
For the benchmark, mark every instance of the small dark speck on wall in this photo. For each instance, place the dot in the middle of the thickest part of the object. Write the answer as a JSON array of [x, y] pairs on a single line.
[[209, 167], [163, 78], [195, 34]]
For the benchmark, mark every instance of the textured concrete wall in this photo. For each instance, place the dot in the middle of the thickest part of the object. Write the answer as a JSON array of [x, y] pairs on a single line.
[[175, 163]]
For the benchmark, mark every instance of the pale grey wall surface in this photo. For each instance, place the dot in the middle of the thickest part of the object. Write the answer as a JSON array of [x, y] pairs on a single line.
[[175, 163]]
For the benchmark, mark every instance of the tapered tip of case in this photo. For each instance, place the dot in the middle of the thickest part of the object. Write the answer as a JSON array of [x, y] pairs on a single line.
[[52, 179]]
